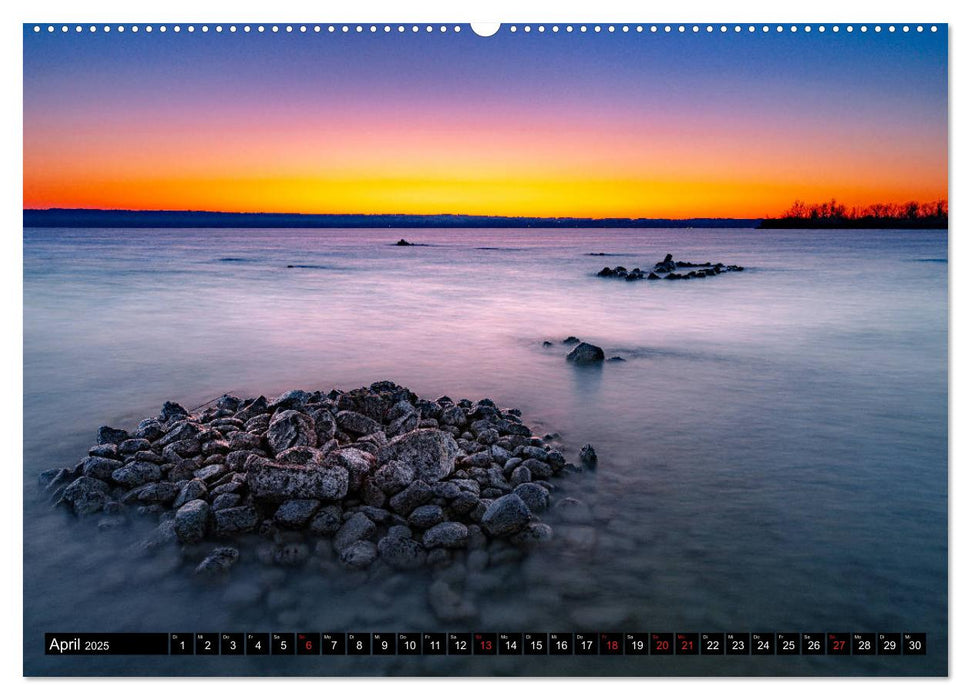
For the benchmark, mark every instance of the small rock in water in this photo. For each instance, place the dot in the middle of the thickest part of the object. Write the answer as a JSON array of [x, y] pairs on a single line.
[[218, 561], [572, 340], [586, 354], [588, 456], [359, 555], [403, 242]]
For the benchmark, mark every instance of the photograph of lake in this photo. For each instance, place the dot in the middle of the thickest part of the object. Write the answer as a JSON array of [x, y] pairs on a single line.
[[573, 350]]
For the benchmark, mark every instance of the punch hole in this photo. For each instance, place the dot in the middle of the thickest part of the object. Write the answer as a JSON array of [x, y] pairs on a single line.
[[484, 29]]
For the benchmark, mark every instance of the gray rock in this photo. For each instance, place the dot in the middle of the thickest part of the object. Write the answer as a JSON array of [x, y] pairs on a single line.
[[536, 498], [327, 521], [52, 477], [148, 456], [402, 425], [149, 429], [424, 517], [359, 555], [278, 482], [532, 535], [209, 473], [520, 475], [394, 476], [537, 469], [231, 521], [479, 460], [171, 410], [100, 467], [453, 415], [464, 503], [588, 456], [133, 445], [290, 428], [301, 455], [86, 495], [160, 492], [179, 431], [401, 552], [136, 474], [356, 423], [295, 398], [377, 515], [242, 440], [108, 451], [417, 494], [191, 520], [586, 354], [196, 488], [109, 435], [218, 561], [488, 437], [358, 527], [357, 463], [431, 453], [573, 511], [296, 512], [325, 425], [226, 500], [505, 516], [450, 535]]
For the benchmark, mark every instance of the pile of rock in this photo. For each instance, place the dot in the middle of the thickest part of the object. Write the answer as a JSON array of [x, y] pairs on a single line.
[[666, 269], [383, 474]]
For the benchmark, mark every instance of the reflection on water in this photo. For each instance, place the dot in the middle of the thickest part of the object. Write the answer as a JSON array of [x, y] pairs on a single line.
[[772, 452]]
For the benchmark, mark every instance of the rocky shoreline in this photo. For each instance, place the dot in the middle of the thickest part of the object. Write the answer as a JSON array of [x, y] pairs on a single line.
[[667, 269], [377, 478]]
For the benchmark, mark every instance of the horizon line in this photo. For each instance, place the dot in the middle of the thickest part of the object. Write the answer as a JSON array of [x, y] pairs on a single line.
[[217, 212]]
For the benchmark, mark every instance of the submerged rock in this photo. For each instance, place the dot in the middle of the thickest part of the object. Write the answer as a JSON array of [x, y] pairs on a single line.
[[218, 561]]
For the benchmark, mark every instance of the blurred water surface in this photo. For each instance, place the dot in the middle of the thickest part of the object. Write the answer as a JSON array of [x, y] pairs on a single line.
[[773, 453]]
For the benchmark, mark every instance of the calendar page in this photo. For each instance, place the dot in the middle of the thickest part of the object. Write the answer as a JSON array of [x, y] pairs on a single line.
[[499, 350]]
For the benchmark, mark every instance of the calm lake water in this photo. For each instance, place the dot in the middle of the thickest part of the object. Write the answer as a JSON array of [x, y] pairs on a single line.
[[773, 454]]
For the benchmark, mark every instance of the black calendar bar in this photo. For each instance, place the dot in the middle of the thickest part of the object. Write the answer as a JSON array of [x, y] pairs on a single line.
[[481, 644]]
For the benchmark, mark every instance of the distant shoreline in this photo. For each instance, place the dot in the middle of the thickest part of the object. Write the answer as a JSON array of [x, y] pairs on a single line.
[[123, 218], [856, 224], [118, 218]]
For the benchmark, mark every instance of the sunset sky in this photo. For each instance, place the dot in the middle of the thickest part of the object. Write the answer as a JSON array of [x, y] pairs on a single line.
[[608, 124]]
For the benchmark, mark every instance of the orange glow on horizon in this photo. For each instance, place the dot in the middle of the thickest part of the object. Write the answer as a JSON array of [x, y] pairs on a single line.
[[581, 172]]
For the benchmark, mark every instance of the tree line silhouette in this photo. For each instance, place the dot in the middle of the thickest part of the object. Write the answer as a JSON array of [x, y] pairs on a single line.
[[833, 214]]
